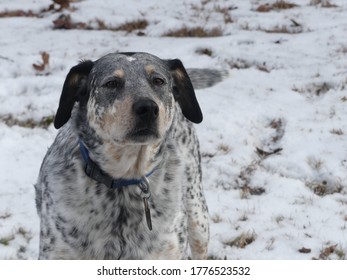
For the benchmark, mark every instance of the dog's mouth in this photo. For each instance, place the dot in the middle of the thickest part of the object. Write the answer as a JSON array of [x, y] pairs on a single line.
[[146, 119], [143, 134]]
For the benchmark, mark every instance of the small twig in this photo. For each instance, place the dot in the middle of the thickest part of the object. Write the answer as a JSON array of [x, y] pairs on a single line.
[[295, 23], [267, 153]]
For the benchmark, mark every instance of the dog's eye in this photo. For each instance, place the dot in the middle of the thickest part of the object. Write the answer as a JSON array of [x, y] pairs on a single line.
[[112, 84], [158, 81]]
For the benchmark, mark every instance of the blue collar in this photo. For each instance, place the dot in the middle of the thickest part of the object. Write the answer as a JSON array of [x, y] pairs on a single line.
[[94, 172]]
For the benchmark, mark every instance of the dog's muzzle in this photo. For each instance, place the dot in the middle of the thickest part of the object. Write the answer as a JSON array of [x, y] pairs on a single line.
[[146, 110], [146, 113]]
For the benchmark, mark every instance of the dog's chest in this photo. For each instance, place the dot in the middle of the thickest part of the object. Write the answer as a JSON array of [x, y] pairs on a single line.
[[111, 224]]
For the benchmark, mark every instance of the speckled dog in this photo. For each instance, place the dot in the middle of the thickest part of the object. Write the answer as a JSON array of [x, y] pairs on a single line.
[[122, 179]]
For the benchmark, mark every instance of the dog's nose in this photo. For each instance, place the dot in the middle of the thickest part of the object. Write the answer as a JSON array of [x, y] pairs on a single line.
[[146, 109]]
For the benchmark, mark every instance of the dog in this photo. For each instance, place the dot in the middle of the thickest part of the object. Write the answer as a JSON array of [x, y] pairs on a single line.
[[122, 180]]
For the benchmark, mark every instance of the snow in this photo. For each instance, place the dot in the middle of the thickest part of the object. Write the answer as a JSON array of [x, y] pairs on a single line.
[[285, 95]]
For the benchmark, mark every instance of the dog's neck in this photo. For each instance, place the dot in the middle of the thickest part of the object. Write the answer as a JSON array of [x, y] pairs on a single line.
[[125, 161]]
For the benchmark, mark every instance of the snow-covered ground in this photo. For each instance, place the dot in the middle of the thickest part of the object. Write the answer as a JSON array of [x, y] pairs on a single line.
[[274, 135]]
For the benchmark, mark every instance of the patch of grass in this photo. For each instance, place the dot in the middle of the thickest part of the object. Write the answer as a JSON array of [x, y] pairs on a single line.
[[265, 8], [270, 244], [315, 163], [343, 201], [332, 252], [243, 217], [224, 148], [314, 89], [26, 234], [285, 29], [337, 131], [246, 191], [276, 124], [225, 11], [64, 21], [243, 181], [204, 51], [22, 231], [244, 64], [323, 3], [63, 4], [283, 5], [194, 32], [56, 6], [278, 5], [245, 26], [131, 26], [224, 185], [239, 63], [5, 216], [208, 10], [320, 89], [263, 68], [6, 240], [216, 218], [304, 200], [18, 13], [207, 155], [323, 188], [342, 49], [10, 121], [340, 253], [242, 240], [279, 126], [271, 148], [279, 219], [293, 28], [244, 178]]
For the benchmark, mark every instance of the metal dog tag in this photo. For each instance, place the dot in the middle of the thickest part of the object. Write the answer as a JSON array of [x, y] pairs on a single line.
[[146, 194], [148, 213]]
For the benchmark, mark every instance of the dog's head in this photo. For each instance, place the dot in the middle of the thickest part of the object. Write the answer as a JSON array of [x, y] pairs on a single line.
[[128, 97]]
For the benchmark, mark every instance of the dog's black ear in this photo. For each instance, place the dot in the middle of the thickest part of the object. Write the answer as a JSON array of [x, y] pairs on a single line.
[[74, 87], [184, 92]]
